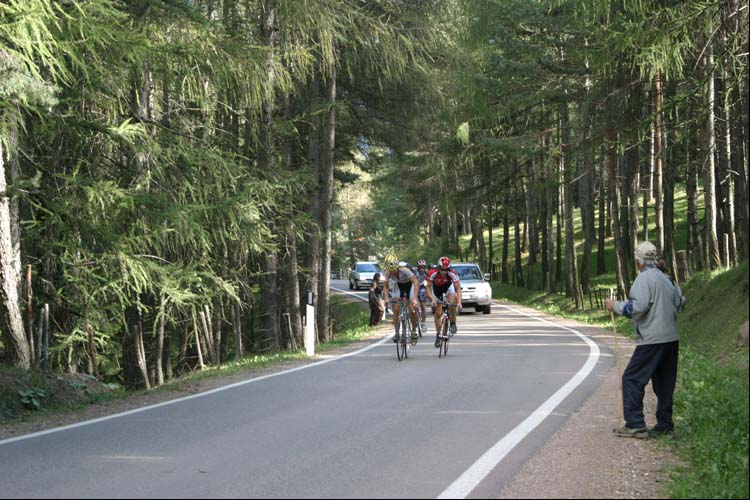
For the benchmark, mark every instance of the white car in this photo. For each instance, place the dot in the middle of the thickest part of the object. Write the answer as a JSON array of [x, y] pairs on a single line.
[[476, 291], [362, 274]]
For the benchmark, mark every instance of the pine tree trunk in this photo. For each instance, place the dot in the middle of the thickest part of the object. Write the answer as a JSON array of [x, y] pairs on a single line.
[[531, 214], [709, 190], [517, 269], [158, 359], [601, 267], [326, 197], [571, 262], [623, 279], [11, 322], [658, 164], [506, 239], [586, 202]]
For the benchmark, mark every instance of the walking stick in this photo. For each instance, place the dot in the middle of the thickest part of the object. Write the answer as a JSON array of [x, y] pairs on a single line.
[[617, 362]]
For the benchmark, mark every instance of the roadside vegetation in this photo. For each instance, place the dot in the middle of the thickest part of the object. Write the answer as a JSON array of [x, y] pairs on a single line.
[[34, 394]]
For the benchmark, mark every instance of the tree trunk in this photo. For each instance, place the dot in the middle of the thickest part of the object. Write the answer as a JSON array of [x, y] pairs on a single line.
[[571, 261], [506, 239], [709, 191], [623, 279], [658, 164], [158, 359], [586, 197], [517, 269], [11, 322], [601, 267], [326, 198], [531, 214]]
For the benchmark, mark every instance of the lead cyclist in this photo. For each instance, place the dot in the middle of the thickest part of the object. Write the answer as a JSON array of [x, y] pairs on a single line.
[[405, 282], [444, 281]]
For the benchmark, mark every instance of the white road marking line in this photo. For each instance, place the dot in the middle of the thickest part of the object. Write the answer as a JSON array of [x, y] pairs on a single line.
[[470, 479]]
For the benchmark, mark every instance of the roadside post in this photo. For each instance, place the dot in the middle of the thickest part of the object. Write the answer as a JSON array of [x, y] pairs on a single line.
[[310, 327]]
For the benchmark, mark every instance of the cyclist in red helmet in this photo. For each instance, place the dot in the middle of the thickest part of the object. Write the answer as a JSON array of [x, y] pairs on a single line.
[[444, 281]]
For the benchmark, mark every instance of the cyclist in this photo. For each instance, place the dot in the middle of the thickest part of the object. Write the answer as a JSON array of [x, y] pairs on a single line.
[[442, 281], [422, 275], [396, 275]]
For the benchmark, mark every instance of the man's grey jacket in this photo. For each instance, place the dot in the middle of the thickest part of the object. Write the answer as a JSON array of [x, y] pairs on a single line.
[[653, 305]]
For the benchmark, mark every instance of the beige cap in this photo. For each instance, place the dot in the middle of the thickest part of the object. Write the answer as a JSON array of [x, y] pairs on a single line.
[[645, 252]]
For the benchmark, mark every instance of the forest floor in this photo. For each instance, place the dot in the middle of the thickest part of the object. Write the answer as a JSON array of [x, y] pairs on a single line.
[[584, 459]]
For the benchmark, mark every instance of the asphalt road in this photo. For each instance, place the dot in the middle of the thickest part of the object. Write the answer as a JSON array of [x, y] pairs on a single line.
[[360, 426]]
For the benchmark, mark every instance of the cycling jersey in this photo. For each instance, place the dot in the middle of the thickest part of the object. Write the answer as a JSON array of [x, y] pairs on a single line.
[[422, 277], [443, 281], [402, 275]]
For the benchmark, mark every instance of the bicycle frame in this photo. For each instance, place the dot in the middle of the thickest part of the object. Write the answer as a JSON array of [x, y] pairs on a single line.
[[442, 332], [404, 342]]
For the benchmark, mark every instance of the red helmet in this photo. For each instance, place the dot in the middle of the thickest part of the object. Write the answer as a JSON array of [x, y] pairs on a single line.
[[444, 263], [421, 263]]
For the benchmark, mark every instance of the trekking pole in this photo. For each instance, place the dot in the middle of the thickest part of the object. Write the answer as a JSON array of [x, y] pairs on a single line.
[[617, 361]]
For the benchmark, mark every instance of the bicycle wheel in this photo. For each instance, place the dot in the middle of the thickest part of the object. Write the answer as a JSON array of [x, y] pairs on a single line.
[[443, 338], [405, 337]]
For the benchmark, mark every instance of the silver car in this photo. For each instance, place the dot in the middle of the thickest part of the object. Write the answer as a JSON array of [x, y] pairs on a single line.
[[476, 291], [362, 274]]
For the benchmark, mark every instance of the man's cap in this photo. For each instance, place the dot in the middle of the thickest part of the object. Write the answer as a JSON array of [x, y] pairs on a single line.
[[645, 251]]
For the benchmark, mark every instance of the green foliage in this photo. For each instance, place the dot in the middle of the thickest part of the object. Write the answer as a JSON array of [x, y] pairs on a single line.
[[711, 409], [32, 398]]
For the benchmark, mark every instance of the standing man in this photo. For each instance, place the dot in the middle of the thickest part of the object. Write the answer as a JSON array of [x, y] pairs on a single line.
[[375, 298], [653, 305]]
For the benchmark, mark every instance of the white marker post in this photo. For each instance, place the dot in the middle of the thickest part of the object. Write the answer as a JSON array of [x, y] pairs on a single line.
[[310, 330]]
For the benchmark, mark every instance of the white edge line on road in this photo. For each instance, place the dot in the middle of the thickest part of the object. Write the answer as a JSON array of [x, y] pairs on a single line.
[[470, 479], [194, 396]]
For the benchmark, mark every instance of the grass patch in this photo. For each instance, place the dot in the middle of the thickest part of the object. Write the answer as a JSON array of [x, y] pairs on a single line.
[[711, 414], [26, 393]]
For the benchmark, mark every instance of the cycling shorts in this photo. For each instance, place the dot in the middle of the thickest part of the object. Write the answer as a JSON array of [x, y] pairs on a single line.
[[405, 289], [439, 291]]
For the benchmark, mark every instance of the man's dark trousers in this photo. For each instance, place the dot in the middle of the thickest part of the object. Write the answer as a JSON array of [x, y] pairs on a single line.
[[658, 363]]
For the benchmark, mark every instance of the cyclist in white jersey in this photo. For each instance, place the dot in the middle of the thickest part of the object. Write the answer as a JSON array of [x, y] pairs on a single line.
[[403, 280]]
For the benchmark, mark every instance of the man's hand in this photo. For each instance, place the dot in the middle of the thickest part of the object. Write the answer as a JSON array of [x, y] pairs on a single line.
[[460, 307], [609, 304]]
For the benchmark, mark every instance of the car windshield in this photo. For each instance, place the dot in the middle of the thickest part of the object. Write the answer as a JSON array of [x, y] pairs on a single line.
[[368, 268], [468, 272]]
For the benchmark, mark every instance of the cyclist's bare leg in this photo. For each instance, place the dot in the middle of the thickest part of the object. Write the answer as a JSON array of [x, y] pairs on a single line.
[[396, 310], [438, 316], [413, 312], [453, 300]]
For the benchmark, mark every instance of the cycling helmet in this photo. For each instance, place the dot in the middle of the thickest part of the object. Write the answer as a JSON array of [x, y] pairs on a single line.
[[421, 263], [444, 263], [391, 262]]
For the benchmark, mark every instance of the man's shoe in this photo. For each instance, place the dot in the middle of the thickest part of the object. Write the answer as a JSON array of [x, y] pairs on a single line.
[[414, 337], [437, 342], [454, 329], [628, 432], [424, 327], [656, 431], [396, 337]]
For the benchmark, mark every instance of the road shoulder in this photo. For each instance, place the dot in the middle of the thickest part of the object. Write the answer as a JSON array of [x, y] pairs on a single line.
[[584, 459]]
